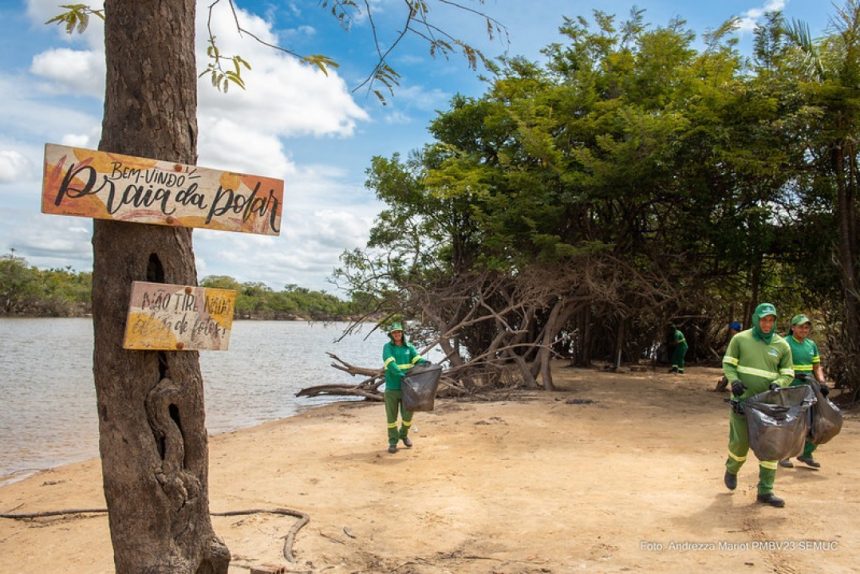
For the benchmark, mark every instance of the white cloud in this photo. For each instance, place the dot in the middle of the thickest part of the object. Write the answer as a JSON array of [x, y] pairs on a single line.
[[73, 71], [227, 145], [243, 130], [396, 117], [750, 18], [282, 95], [37, 117], [14, 166], [323, 215], [81, 140], [48, 240]]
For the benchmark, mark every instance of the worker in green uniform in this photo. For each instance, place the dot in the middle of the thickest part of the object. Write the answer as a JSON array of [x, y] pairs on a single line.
[[807, 366], [678, 346], [756, 360], [398, 356]]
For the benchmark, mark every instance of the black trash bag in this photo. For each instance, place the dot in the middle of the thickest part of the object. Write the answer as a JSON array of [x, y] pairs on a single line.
[[419, 387], [826, 419], [778, 421]]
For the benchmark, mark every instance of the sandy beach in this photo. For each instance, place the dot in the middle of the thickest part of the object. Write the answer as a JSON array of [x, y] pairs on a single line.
[[615, 472]]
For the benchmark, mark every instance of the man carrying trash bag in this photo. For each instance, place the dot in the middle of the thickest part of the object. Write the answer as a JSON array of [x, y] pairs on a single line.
[[756, 360], [807, 371]]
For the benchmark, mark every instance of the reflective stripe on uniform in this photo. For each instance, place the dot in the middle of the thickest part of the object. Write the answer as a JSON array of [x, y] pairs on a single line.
[[768, 464], [407, 423], [416, 358], [733, 456], [760, 372], [788, 372], [404, 367], [803, 368], [816, 359], [388, 360], [730, 360], [392, 425]]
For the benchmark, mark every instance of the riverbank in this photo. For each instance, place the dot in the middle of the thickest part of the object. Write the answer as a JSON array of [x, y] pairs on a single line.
[[615, 472]]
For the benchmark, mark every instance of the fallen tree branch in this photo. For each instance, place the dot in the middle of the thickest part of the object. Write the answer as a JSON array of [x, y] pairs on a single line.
[[340, 390], [291, 535], [288, 542], [353, 369]]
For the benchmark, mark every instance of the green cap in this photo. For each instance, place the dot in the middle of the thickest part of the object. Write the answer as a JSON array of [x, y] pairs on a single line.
[[764, 310], [800, 320], [396, 326]]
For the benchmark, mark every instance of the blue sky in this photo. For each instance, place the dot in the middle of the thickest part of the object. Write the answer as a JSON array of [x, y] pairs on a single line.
[[292, 122]]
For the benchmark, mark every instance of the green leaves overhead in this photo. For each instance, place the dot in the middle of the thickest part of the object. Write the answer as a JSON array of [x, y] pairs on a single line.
[[694, 168], [76, 17]]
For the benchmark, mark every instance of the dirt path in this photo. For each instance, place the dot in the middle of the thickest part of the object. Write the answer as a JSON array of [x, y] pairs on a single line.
[[615, 473]]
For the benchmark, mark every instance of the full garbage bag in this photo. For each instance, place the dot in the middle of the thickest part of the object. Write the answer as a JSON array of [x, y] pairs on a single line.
[[778, 421], [419, 387], [826, 419]]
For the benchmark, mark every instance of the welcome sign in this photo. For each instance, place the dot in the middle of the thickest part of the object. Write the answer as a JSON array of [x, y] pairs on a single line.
[[165, 317], [102, 185]]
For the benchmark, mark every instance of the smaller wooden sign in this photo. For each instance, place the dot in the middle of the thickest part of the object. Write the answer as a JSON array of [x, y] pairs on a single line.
[[164, 317]]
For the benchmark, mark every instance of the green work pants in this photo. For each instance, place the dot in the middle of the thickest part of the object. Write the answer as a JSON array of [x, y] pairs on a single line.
[[808, 447], [739, 446], [392, 405], [678, 356]]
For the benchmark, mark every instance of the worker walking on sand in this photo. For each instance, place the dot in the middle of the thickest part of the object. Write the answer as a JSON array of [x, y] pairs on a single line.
[[398, 356], [678, 347], [757, 359], [807, 368]]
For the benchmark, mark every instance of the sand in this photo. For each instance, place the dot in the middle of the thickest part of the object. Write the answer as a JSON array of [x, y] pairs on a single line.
[[615, 472]]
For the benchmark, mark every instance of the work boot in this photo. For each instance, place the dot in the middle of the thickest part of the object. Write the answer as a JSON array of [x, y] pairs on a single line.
[[770, 498], [785, 463], [809, 461], [731, 480], [673, 370], [392, 448], [407, 442]]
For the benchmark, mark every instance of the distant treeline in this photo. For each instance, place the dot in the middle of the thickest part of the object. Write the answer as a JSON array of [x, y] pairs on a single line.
[[28, 291]]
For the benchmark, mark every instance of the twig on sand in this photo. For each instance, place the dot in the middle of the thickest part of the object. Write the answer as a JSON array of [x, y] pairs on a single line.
[[288, 542]]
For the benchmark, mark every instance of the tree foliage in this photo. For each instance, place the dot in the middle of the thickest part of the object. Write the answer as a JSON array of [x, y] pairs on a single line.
[[646, 180], [26, 290]]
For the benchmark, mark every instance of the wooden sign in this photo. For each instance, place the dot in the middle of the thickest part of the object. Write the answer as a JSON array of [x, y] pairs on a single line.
[[163, 317], [102, 185]]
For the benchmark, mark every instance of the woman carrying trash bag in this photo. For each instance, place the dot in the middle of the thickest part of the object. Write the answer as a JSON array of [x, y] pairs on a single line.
[[807, 367], [398, 356], [756, 360]]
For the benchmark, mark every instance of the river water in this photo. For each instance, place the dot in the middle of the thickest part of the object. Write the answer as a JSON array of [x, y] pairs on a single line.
[[48, 399]]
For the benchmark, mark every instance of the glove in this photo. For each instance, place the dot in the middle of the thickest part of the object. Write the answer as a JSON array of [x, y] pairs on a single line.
[[774, 386], [824, 390], [738, 388]]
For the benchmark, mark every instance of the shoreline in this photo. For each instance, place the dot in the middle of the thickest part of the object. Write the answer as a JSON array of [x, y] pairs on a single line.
[[25, 473]]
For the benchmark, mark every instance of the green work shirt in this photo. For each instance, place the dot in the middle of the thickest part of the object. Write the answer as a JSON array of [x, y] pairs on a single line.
[[397, 360], [758, 364], [804, 355]]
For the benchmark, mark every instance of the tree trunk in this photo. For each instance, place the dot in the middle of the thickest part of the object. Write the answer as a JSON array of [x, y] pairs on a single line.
[[153, 439], [585, 361], [558, 317], [847, 256]]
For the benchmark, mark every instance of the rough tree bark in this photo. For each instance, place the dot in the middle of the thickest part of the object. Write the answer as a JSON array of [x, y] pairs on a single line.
[[153, 440], [846, 211]]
